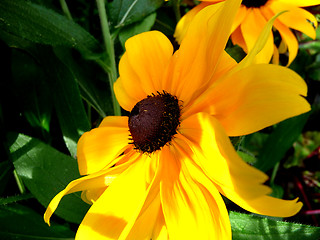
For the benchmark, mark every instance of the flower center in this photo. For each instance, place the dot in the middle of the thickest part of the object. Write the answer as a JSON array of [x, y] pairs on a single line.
[[254, 3], [153, 121]]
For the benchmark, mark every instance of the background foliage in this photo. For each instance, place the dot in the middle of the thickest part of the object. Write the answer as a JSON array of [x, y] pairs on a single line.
[[55, 85]]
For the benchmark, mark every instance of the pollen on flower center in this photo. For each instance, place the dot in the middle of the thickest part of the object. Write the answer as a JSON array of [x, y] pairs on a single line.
[[254, 3], [153, 121]]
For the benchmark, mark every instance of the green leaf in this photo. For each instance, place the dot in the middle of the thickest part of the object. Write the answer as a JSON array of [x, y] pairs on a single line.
[[31, 90], [253, 227], [249, 158], [63, 83], [41, 25], [45, 172], [136, 28], [5, 172], [163, 23], [19, 222], [14, 199], [279, 141], [124, 12], [92, 88], [67, 100]]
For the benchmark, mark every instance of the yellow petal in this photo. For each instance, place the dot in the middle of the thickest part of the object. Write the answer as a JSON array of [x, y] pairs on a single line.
[[191, 210], [270, 206], [126, 101], [93, 182], [301, 3], [212, 150], [275, 58], [254, 98], [259, 44], [237, 39], [143, 64], [286, 35], [241, 183], [265, 95], [241, 15], [100, 146], [197, 58], [184, 22], [251, 28], [91, 195], [295, 18], [160, 231], [136, 227], [119, 205]]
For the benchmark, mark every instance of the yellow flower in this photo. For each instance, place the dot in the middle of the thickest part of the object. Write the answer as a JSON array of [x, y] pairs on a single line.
[[253, 15], [159, 173]]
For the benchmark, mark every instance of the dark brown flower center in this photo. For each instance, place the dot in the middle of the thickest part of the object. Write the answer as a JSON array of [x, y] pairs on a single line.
[[254, 3], [153, 121]]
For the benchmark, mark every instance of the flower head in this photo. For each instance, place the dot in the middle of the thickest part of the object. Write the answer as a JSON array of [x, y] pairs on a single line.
[[251, 17], [159, 173]]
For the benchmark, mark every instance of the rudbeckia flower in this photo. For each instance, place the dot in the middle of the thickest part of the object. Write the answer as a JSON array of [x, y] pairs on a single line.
[[251, 17], [159, 173]]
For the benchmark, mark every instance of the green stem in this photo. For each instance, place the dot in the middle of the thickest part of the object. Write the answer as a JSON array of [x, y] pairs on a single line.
[[14, 199], [65, 9], [110, 61], [274, 173], [176, 9], [21, 187]]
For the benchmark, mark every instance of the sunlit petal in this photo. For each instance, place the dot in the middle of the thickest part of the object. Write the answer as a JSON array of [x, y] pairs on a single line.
[[190, 209], [296, 18], [100, 146], [251, 29], [301, 3], [95, 181], [242, 183], [265, 95], [119, 205], [143, 64], [196, 50]]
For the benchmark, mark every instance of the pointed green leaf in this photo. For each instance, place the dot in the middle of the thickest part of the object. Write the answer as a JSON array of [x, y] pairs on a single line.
[[136, 28], [45, 172], [284, 135], [125, 12], [66, 97], [252, 227], [19, 222], [41, 25], [90, 80]]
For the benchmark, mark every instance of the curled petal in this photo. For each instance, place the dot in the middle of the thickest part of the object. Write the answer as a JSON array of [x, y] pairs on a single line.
[[118, 208], [251, 28], [93, 182], [238, 181], [296, 18], [289, 42], [184, 22], [211, 149]]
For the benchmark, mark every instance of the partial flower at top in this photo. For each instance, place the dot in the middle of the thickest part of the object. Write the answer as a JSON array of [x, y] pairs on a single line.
[[251, 18], [159, 173]]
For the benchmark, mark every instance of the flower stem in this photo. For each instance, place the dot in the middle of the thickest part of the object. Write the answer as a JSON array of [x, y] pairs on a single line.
[[110, 61], [65, 9], [19, 182]]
